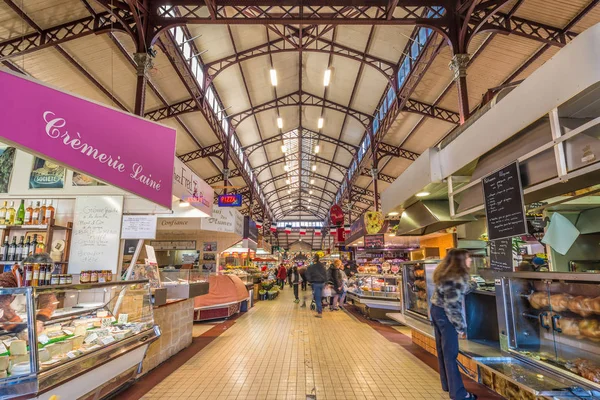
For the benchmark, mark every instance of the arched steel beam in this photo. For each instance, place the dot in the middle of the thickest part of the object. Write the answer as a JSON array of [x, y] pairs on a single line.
[[305, 157], [306, 134], [300, 208], [284, 200], [296, 99], [281, 208], [296, 185], [310, 174]]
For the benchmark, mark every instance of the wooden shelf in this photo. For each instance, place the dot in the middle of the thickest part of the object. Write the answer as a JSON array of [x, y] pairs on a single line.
[[34, 227]]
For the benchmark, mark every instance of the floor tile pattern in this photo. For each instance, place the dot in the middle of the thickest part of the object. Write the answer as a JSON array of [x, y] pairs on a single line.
[[281, 351]]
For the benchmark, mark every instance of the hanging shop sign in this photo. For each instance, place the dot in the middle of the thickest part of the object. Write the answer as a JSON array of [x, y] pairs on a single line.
[[139, 227], [91, 138], [227, 220], [178, 224], [96, 233], [229, 200], [375, 241], [503, 200], [189, 187], [358, 229], [336, 215], [250, 229], [501, 257], [373, 222]]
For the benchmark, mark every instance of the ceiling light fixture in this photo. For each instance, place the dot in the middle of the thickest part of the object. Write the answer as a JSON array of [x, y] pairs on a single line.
[[314, 168], [273, 73], [320, 123], [290, 200], [286, 167], [393, 213], [317, 148], [310, 192], [183, 203], [279, 122], [287, 181], [289, 191], [422, 194], [327, 77], [284, 148], [312, 181], [309, 199]]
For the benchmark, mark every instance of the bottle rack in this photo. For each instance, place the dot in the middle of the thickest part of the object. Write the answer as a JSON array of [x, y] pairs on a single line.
[[49, 229]]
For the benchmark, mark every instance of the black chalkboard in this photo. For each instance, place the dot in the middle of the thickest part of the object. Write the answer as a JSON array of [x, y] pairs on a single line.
[[501, 257], [503, 199]]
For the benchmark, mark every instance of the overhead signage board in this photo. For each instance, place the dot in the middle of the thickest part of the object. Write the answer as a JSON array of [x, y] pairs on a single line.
[[375, 241], [229, 200], [503, 199], [250, 229], [501, 258], [227, 220], [189, 187], [139, 227], [179, 224], [121, 149]]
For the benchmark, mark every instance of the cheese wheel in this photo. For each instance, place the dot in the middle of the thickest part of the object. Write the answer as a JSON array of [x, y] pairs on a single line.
[[18, 347]]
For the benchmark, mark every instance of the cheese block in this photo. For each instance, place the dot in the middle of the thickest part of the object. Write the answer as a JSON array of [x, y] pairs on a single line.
[[3, 363], [67, 346], [80, 330], [18, 347], [19, 359], [77, 342], [54, 349], [44, 355], [3, 374], [102, 314], [21, 368]]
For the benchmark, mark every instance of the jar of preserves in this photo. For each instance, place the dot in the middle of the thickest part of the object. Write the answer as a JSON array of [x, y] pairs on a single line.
[[28, 269], [94, 276], [108, 274], [55, 279], [62, 279], [69, 279], [85, 277]]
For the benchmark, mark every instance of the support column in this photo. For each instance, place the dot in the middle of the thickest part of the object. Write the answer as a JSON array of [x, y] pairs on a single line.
[[143, 63], [458, 65], [375, 174]]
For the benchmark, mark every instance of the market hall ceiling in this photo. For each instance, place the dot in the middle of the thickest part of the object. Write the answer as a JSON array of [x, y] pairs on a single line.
[[206, 69]]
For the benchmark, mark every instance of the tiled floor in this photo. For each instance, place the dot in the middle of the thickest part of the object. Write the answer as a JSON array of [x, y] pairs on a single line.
[[281, 351]]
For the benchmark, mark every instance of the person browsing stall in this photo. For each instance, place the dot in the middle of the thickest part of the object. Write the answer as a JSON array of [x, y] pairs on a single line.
[[316, 274]]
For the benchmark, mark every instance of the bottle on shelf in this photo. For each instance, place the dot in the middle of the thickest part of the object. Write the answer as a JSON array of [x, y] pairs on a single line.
[[10, 214], [4, 250], [42, 275], [49, 216], [20, 218], [35, 218], [42, 213], [19, 250], [33, 245], [12, 249], [3, 213], [25, 249], [28, 214]]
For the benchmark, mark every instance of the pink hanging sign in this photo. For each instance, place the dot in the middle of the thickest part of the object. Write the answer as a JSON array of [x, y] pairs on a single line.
[[118, 148]]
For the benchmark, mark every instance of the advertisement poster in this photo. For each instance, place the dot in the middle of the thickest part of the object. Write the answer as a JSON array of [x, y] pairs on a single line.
[[7, 159], [46, 175], [209, 246], [84, 180]]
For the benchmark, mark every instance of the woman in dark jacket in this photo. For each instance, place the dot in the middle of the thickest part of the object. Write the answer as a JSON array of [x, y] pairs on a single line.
[[335, 279], [452, 283], [294, 279]]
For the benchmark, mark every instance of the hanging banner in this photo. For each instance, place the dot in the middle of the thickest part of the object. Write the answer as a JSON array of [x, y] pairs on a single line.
[[118, 148], [189, 187], [224, 220], [250, 229], [336, 215]]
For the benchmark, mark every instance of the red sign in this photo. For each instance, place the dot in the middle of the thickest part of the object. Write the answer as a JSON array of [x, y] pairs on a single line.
[[336, 215]]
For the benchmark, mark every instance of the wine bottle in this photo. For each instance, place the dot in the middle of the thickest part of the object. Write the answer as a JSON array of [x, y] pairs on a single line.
[[12, 249], [35, 219], [42, 213], [10, 214], [3, 213], [49, 217], [19, 250], [4, 250], [25, 249], [28, 214], [20, 218], [33, 245]]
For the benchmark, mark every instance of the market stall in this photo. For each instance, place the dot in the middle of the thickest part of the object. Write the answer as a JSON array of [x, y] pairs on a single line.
[[225, 298]]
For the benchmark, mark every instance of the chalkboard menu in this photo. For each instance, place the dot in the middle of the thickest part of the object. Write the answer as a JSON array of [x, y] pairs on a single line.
[[374, 241], [501, 257], [503, 198]]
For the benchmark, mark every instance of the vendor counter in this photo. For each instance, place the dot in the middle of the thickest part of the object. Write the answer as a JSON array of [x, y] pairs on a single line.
[[176, 320]]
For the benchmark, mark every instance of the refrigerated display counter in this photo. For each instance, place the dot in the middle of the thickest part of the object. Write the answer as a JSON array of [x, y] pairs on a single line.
[[375, 295], [74, 341], [184, 283]]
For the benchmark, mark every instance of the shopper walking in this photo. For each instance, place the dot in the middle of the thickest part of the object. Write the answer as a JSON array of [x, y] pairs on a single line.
[[452, 283], [281, 276], [340, 267], [335, 279], [317, 276], [294, 279], [302, 271]]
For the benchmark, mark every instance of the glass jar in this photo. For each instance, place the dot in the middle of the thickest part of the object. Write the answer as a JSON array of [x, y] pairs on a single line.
[[108, 275], [55, 279], [69, 279], [94, 276], [85, 277], [62, 279]]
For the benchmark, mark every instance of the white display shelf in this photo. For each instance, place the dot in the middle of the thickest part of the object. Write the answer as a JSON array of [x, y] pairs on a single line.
[[31, 227]]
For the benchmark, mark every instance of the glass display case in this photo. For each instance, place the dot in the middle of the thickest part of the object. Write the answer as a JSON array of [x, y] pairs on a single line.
[[552, 320], [240, 273], [52, 335], [418, 287], [184, 283], [386, 286]]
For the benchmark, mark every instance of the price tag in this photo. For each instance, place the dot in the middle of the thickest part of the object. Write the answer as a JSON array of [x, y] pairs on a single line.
[[3, 348], [107, 340], [123, 318], [106, 322], [43, 339], [91, 338], [71, 354]]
